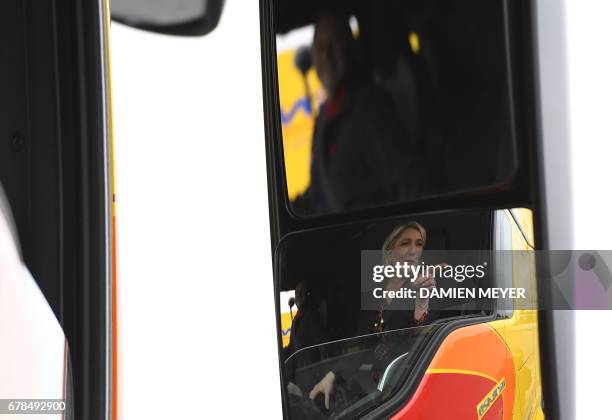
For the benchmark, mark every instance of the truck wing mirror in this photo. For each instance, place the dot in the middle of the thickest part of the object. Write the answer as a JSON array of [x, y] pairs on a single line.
[[172, 17]]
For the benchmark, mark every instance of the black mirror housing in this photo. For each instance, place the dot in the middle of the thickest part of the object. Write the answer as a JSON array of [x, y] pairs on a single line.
[[177, 17]]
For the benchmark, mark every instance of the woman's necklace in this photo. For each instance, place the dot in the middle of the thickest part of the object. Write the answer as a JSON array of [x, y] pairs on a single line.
[[379, 323]]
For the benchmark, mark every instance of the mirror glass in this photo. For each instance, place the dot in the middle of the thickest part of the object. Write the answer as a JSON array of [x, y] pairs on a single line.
[[337, 315], [388, 102]]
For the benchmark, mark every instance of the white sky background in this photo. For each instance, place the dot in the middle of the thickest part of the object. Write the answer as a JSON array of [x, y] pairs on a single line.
[[199, 330], [590, 89], [194, 254]]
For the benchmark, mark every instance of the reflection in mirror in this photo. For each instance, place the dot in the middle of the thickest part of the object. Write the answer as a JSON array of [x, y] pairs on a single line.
[[363, 376], [327, 325], [386, 102]]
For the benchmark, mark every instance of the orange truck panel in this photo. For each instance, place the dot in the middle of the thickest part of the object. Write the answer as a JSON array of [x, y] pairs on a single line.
[[471, 377]]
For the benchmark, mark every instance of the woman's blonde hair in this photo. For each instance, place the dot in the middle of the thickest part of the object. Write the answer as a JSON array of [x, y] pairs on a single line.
[[392, 237]]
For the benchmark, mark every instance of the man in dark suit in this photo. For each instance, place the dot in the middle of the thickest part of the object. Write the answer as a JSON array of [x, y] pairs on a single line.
[[361, 156]]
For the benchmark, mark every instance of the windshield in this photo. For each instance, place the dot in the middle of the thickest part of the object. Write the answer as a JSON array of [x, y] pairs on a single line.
[[368, 370]]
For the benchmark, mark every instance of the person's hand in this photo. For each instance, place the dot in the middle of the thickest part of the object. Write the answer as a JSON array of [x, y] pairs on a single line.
[[421, 304], [325, 386]]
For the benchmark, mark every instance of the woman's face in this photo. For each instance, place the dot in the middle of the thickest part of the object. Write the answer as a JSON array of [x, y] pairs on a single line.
[[408, 247]]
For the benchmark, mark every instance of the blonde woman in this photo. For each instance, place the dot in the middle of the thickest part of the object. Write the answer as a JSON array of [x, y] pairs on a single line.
[[404, 244]]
